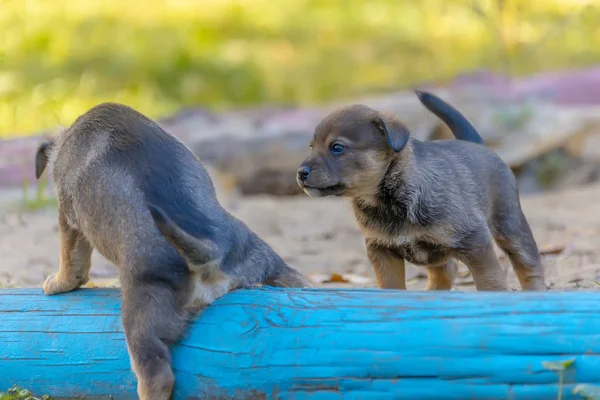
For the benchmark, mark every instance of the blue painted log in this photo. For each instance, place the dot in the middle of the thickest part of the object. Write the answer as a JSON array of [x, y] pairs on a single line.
[[314, 344]]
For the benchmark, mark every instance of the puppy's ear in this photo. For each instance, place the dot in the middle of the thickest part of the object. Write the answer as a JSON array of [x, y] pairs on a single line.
[[196, 251], [396, 132], [41, 157]]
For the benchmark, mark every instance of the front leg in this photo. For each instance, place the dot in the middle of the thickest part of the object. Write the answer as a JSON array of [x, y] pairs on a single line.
[[441, 277], [389, 268], [75, 260]]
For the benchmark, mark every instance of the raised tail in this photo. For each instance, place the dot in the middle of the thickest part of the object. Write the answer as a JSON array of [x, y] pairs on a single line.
[[460, 126], [197, 251], [41, 157]]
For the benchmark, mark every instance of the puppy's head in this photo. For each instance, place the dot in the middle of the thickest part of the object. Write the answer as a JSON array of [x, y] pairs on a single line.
[[351, 150]]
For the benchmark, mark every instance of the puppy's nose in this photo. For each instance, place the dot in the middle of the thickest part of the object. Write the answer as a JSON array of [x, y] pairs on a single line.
[[303, 173]]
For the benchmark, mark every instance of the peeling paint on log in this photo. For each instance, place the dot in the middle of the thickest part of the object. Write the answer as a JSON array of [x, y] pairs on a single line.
[[314, 344]]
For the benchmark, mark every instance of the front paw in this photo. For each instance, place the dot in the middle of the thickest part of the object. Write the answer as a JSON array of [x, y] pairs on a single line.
[[54, 285]]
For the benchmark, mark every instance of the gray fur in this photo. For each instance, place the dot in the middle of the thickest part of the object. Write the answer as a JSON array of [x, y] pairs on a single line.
[[429, 203], [111, 167]]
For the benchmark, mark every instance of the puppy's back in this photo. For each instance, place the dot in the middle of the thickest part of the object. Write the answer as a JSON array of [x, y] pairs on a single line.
[[478, 174], [93, 134], [112, 162]]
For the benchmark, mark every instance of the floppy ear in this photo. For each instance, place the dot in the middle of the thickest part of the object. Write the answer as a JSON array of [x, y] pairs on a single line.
[[41, 158], [396, 132]]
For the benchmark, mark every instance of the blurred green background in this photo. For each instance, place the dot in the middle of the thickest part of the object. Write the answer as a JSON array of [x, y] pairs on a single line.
[[60, 57]]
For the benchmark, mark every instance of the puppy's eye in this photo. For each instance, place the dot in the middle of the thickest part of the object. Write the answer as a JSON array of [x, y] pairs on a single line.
[[336, 148]]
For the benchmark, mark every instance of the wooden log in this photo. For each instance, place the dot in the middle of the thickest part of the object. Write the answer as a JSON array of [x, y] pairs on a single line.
[[314, 344]]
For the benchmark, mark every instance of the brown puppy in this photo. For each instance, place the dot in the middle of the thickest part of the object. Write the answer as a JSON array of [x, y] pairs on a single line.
[[144, 201], [426, 202]]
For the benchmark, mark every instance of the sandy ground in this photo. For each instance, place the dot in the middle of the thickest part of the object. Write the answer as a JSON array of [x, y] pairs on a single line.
[[319, 237]]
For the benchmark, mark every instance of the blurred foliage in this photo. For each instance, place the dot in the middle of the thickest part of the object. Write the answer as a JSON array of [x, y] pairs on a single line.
[[60, 57], [550, 167], [40, 200]]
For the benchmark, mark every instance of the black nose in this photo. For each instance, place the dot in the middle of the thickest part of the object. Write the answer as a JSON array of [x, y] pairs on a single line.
[[303, 173]]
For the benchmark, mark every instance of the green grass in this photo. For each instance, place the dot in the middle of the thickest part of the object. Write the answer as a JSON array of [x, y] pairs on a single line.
[[16, 393], [58, 58]]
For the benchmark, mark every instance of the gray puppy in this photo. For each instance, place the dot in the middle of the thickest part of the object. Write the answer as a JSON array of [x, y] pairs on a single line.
[[429, 203], [138, 195]]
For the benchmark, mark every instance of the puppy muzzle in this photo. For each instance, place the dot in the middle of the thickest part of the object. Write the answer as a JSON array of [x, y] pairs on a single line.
[[312, 183]]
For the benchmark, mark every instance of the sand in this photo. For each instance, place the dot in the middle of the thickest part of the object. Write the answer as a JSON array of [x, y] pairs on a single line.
[[320, 238]]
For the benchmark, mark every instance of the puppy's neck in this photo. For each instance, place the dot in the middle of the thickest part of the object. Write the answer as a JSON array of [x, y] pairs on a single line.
[[399, 167]]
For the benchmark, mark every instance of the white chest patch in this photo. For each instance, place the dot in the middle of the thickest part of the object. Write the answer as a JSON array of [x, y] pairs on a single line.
[[408, 236], [209, 285]]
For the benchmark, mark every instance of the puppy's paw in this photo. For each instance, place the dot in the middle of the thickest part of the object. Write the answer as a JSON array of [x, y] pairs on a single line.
[[158, 388], [54, 285], [84, 279]]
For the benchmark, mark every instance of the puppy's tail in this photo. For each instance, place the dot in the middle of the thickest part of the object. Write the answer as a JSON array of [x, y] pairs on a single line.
[[458, 123], [42, 156], [196, 251]]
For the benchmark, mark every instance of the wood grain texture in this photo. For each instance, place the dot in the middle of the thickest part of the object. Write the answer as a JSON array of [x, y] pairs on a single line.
[[314, 344]]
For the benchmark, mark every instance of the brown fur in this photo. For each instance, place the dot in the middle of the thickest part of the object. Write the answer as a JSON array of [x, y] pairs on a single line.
[[429, 203], [442, 277], [389, 269]]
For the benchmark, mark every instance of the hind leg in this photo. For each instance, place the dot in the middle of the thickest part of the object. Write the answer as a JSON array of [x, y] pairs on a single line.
[[441, 277], [514, 236], [153, 319], [477, 252], [486, 270], [75, 261]]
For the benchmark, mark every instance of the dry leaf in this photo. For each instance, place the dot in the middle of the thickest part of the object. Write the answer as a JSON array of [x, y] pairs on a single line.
[[318, 278], [325, 278], [555, 248], [339, 278], [335, 277]]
